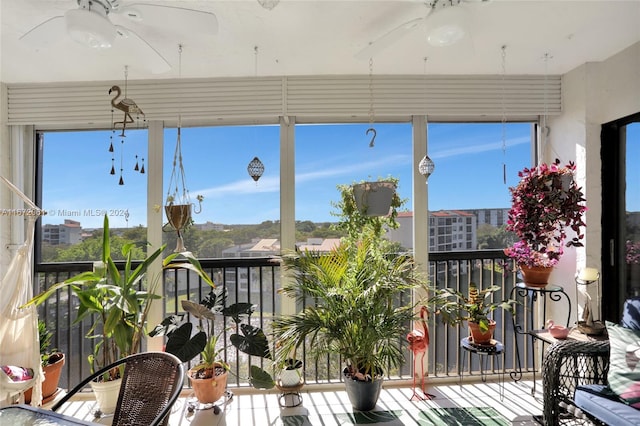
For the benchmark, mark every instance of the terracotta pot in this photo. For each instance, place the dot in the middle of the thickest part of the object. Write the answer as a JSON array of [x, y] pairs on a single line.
[[479, 337], [535, 276], [211, 389], [52, 373]]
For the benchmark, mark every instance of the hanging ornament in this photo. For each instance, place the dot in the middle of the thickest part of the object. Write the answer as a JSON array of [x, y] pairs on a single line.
[[255, 168], [128, 107], [426, 167], [113, 169], [142, 167]]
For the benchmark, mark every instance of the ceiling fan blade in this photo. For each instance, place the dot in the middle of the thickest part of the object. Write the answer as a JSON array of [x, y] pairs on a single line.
[[178, 18], [389, 39], [46, 33], [130, 42]]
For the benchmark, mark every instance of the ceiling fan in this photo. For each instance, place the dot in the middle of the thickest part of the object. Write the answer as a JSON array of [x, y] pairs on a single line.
[[444, 20], [90, 25]]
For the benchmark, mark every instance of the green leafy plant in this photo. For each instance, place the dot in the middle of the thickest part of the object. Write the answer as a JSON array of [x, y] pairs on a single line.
[[46, 352], [207, 341], [453, 307], [354, 223], [546, 201], [119, 301]]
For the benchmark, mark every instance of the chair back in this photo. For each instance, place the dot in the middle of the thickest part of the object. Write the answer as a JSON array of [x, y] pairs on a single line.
[[151, 384]]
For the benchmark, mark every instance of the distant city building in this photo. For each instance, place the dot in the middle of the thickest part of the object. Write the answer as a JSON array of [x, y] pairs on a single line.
[[209, 226], [449, 230], [493, 217], [271, 247], [323, 245], [70, 232], [452, 230]]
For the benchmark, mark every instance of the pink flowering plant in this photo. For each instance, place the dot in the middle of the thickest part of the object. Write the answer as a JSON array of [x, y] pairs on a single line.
[[522, 254], [546, 202], [633, 252]]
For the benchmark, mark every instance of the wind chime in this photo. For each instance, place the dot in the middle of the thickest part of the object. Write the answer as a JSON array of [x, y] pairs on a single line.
[[255, 168], [128, 107], [178, 203]]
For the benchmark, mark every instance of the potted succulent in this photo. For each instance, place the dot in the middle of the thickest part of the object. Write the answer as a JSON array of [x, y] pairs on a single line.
[[52, 362], [209, 376], [476, 308], [546, 202], [119, 303], [355, 289]]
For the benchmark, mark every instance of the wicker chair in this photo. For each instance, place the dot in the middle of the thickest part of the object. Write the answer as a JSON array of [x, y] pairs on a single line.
[[568, 364], [151, 384]]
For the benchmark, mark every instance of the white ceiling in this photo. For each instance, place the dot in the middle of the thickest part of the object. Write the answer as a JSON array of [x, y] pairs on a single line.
[[314, 37]]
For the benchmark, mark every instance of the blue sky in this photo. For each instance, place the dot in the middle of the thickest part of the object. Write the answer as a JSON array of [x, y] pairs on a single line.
[[469, 169]]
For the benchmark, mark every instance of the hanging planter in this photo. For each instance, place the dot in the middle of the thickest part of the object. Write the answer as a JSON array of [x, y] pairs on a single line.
[[178, 205], [374, 198]]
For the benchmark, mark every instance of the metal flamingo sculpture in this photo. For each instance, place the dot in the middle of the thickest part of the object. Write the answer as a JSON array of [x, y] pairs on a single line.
[[126, 105], [419, 343]]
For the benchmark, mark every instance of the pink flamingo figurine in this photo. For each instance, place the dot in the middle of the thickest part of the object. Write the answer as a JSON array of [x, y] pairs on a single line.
[[418, 343]]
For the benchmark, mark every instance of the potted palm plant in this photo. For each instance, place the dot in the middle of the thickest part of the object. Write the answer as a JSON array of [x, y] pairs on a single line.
[[355, 288], [476, 308], [119, 303], [546, 202]]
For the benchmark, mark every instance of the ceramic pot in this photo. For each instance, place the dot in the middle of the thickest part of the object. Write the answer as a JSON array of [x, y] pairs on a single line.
[[211, 389], [535, 276], [374, 198], [363, 395], [291, 376], [107, 394], [481, 337]]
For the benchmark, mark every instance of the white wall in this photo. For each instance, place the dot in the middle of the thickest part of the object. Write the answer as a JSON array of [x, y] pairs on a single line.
[[592, 94]]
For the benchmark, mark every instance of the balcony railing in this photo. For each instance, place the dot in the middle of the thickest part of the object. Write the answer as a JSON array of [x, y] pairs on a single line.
[[256, 280]]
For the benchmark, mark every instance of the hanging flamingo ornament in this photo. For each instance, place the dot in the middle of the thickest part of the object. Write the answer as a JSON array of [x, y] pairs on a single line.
[[419, 343], [126, 105]]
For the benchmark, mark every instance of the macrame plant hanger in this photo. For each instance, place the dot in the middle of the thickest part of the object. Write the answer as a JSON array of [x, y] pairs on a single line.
[[178, 206]]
